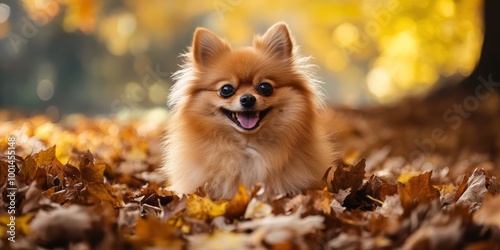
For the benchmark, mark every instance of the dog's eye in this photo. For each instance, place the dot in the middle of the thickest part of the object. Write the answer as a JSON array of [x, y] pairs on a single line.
[[226, 91], [265, 89]]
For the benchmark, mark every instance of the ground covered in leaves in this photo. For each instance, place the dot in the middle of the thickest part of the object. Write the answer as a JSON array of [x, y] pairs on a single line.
[[90, 183]]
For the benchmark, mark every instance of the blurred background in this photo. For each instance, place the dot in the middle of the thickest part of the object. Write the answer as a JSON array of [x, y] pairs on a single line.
[[99, 57]]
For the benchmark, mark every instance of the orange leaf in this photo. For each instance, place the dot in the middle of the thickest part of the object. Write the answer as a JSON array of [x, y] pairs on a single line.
[[237, 206], [90, 171], [98, 192], [461, 189], [420, 189], [405, 198], [152, 232], [45, 157], [27, 170]]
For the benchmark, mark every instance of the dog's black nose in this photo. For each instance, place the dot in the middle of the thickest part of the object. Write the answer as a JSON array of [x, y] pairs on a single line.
[[247, 100]]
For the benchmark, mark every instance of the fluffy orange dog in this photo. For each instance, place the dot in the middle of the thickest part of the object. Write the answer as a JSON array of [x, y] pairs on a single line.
[[249, 115]]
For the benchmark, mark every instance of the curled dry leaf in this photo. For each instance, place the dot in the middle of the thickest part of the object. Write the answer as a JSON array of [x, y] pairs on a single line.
[[257, 209], [346, 177], [475, 191], [281, 228], [391, 207]]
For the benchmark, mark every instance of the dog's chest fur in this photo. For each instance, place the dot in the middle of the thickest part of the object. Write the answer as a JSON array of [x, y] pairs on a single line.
[[246, 164]]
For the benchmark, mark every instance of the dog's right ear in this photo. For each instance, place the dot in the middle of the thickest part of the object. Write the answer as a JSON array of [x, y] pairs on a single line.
[[207, 47]]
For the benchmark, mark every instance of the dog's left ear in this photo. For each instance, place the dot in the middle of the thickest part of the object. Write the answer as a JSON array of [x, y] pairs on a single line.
[[276, 41]]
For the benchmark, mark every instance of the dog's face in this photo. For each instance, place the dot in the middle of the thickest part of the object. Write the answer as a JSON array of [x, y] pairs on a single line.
[[247, 88]]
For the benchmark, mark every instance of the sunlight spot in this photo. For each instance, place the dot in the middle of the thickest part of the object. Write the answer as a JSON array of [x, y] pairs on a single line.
[[126, 25], [345, 34], [379, 82], [4, 12], [404, 44], [45, 90], [446, 7]]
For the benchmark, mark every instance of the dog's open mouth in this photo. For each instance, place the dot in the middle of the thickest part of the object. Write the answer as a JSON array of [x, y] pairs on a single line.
[[247, 120]]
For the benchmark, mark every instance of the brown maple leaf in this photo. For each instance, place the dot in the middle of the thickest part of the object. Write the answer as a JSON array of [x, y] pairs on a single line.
[[90, 171], [417, 191], [346, 177]]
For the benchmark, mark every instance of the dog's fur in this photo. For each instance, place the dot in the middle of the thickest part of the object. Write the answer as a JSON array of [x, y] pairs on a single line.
[[287, 151]]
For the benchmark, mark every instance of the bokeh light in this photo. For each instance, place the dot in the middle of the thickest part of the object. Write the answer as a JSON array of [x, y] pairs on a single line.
[[45, 90], [4, 12], [368, 51]]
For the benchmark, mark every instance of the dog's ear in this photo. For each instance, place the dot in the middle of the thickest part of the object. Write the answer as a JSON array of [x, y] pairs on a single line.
[[277, 41], [207, 46]]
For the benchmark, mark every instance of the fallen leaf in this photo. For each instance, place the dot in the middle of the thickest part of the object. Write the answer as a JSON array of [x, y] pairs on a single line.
[[45, 157], [320, 200], [405, 177], [472, 197], [406, 200], [461, 188], [27, 169], [341, 195], [348, 176], [281, 228], [21, 224], [420, 190], [151, 232], [3, 172], [257, 209], [391, 207], [237, 206], [90, 171], [337, 207], [203, 208], [98, 192]]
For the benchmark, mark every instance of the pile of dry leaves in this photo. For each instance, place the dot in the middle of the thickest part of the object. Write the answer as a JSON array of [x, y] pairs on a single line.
[[87, 183]]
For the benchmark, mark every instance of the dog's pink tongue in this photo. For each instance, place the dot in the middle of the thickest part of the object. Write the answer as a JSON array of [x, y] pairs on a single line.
[[248, 120]]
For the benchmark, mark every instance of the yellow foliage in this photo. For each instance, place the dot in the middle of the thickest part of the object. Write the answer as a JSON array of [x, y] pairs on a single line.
[[203, 208], [405, 177], [22, 223], [384, 48]]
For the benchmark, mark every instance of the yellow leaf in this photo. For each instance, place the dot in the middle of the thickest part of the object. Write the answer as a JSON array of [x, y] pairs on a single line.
[[404, 178], [203, 208], [21, 223], [237, 206], [45, 157], [152, 232], [91, 172], [97, 192]]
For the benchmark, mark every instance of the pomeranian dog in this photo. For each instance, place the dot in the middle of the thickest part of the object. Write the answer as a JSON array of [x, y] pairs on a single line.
[[245, 116]]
